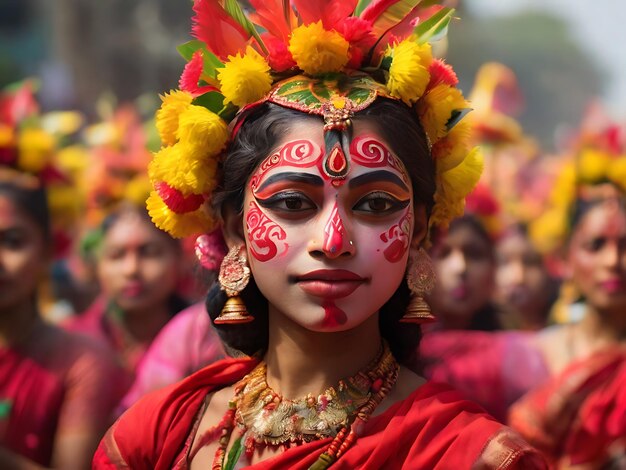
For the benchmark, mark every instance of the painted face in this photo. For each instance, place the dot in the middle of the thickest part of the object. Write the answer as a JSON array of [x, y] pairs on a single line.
[[137, 267], [597, 257], [522, 280], [23, 255], [465, 273], [328, 252]]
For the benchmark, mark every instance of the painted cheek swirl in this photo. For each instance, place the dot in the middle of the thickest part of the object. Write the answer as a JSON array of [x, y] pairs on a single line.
[[397, 239], [369, 152], [334, 233], [264, 234], [299, 153]]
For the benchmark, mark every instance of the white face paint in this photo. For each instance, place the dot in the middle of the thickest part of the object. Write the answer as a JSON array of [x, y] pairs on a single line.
[[328, 253]]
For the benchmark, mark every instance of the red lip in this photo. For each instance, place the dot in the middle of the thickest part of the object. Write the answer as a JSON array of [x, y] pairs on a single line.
[[613, 286], [330, 283], [132, 289], [459, 292]]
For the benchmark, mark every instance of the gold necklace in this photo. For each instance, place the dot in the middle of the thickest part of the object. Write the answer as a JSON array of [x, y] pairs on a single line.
[[264, 417]]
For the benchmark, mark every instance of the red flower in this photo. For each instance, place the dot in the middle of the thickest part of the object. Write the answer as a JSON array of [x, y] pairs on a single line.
[[279, 58], [440, 73], [191, 76], [176, 201]]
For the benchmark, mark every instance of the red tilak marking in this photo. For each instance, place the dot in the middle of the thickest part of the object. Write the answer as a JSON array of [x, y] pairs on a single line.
[[333, 316], [370, 152], [334, 232], [300, 153], [397, 238], [337, 163], [263, 233]]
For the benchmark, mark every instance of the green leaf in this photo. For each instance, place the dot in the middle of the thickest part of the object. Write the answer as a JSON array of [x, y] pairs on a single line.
[[360, 6], [233, 8], [212, 100], [435, 27], [5, 408], [233, 455], [211, 61], [393, 15]]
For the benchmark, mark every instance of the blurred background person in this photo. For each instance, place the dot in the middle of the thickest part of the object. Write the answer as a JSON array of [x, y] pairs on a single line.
[[57, 391]]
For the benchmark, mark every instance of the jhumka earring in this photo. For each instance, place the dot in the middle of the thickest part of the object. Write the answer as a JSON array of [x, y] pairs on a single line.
[[420, 277], [233, 278]]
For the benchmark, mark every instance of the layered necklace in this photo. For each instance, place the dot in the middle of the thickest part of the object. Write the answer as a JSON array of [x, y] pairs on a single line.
[[260, 417]]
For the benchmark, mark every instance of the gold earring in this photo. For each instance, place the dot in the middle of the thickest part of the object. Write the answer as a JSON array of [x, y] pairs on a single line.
[[420, 277], [233, 278]]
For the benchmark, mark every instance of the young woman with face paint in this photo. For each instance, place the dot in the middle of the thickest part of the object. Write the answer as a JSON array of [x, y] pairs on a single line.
[[57, 391], [324, 185]]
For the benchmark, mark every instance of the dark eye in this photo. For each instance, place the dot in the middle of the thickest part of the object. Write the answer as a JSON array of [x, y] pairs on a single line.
[[288, 202], [13, 239], [595, 244], [379, 203]]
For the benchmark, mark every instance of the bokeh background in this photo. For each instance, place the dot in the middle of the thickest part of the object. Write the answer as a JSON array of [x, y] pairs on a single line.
[[565, 53]]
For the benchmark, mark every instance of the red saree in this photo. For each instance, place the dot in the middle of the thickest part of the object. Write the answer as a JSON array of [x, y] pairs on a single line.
[[578, 418], [432, 428]]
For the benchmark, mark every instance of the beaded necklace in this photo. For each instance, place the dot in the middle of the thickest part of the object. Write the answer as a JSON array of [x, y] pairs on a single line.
[[261, 417]]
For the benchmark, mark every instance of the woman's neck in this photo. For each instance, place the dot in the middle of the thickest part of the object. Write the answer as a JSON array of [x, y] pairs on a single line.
[[599, 329], [300, 361], [17, 322], [143, 325]]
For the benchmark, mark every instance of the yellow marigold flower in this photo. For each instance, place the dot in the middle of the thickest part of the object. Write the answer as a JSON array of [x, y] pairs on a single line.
[[450, 150], [167, 116], [318, 51], [178, 225], [549, 229], [408, 74], [35, 148], [564, 190], [65, 202], [436, 107], [593, 165], [453, 186], [202, 129], [617, 171], [245, 79], [176, 167]]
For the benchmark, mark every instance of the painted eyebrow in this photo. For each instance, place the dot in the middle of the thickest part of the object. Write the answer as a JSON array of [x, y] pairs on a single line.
[[294, 177], [380, 175]]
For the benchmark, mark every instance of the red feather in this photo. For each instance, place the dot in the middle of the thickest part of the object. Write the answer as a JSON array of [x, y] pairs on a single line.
[[331, 12], [269, 14], [191, 76], [217, 29]]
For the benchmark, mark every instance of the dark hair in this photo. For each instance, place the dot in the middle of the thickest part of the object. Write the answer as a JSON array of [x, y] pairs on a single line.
[[32, 201], [255, 140]]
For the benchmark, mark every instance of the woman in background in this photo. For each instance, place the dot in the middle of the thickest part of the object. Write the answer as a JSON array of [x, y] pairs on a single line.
[[138, 271], [57, 391]]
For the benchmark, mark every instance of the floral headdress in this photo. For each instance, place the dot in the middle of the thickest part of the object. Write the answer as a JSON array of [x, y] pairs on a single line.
[[599, 158], [31, 150], [325, 57]]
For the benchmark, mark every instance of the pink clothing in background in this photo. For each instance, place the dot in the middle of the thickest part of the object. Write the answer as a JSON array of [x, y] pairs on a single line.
[[186, 344], [493, 369], [55, 382]]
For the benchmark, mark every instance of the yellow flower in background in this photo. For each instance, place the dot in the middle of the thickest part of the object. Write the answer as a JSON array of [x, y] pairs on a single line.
[[73, 160], [244, 78], [188, 175], [564, 190], [548, 230], [203, 130], [318, 51], [450, 150], [617, 171], [408, 73], [35, 147], [7, 136], [66, 203], [173, 104], [178, 225], [593, 165], [137, 190], [436, 107]]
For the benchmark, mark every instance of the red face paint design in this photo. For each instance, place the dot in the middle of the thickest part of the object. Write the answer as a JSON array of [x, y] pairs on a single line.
[[336, 166], [368, 151], [333, 316], [334, 233], [299, 153], [397, 239], [264, 234]]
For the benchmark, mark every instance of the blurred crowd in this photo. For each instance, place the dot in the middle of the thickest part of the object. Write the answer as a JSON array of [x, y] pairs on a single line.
[[98, 307]]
